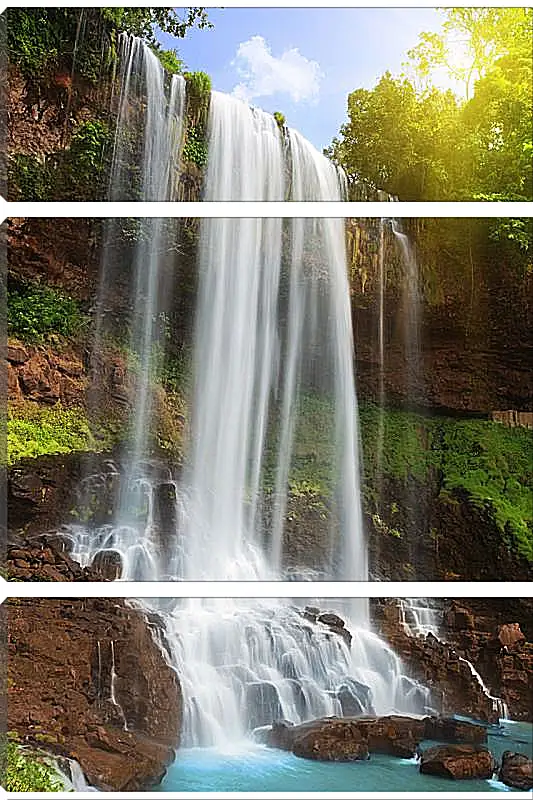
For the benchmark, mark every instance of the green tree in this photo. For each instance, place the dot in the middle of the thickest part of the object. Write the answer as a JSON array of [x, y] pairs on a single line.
[[422, 143]]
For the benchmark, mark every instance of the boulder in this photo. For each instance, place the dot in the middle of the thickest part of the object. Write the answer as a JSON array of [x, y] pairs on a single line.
[[458, 761], [348, 738], [517, 771], [263, 703], [108, 563], [448, 729], [510, 636]]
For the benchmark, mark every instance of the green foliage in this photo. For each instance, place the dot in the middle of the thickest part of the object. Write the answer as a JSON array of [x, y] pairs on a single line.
[[422, 143], [87, 150], [490, 462], [280, 119], [35, 312], [195, 148], [24, 771], [170, 60], [34, 430], [142, 22], [43, 40], [29, 178], [76, 173]]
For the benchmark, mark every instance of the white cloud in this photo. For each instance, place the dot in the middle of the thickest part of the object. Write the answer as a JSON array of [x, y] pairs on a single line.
[[263, 75]]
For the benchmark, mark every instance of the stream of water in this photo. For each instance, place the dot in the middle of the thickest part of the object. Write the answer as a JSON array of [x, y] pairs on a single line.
[[273, 328]]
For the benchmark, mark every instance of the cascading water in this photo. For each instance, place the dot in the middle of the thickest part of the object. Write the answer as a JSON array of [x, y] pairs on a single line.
[[273, 336], [244, 664], [420, 617]]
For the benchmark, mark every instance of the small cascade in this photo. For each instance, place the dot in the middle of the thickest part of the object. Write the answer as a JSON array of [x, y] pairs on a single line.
[[246, 663], [498, 704], [419, 616], [112, 692], [411, 315]]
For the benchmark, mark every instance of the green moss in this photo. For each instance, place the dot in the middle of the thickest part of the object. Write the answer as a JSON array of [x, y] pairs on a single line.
[[35, 431], [35, 312], [490, 462], [24, 771]]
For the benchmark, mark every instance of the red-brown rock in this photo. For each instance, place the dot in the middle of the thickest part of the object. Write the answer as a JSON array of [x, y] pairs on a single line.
[[348, 738], [458, 761], [510, 635], [61, 655], [517, 771]]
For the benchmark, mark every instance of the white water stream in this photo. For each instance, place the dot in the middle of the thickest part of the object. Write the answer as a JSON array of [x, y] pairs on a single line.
[[273, 329]]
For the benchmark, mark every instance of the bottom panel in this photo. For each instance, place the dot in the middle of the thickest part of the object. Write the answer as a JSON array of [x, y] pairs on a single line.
[[403, 695]]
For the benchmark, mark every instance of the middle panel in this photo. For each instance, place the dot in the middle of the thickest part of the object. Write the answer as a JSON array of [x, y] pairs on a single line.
[[183, 401]]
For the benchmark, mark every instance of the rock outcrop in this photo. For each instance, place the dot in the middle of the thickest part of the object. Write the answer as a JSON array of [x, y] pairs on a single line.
[[458, 761], [88, 681], [482, 631], [516, 770]]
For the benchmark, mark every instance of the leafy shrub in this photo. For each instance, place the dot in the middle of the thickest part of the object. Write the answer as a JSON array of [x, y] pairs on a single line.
[[280, 119], [26, 772], [36, 311], [29, 178], [34, 430], [195, 148], [85, 159], [170, 61]]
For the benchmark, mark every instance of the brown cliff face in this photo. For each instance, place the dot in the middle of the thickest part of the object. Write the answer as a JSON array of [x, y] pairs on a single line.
[[88, 681], [475, 318], [474, 629]]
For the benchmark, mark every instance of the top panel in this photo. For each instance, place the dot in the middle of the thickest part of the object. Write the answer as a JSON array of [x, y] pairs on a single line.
[[415, 104]]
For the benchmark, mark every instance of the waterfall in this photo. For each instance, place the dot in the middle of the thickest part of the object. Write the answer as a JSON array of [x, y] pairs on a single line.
[[273, 357], [245, 149], [420, 616], [245, 663]]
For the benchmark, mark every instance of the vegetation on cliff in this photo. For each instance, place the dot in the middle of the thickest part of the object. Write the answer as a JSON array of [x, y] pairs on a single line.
[[26, 771], [34, 430], [422, 143], [488, 461], [36, 312]]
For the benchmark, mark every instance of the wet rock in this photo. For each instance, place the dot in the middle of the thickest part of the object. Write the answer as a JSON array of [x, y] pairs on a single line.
[[263, 703], [458, 761], [108, 563], [448, 729], [348, 738], [60, 657], [517, 771], [336, 625], [355, 698]]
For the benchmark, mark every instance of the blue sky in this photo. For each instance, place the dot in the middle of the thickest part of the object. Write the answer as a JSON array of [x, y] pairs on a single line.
[[251, 51]]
